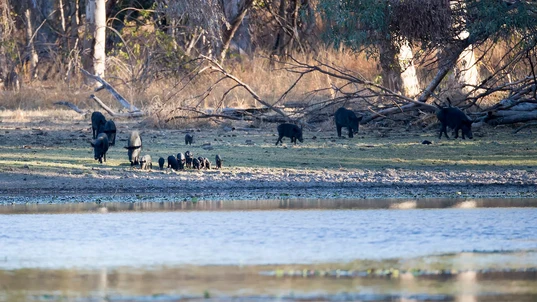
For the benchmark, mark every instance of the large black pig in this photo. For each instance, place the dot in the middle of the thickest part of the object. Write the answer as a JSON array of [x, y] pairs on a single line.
[[347, 118], [218, 161], [455, 119], [134, 145], [289, 130], [110, 130], [97, 123], [172, 163], [188, 158], [201, 160], [196, 164], [100, 147], [189, 139]]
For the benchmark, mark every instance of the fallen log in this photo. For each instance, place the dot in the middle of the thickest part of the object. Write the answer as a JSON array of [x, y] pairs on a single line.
[[103, 105], [114, 114], [509, 117], [115, 94]]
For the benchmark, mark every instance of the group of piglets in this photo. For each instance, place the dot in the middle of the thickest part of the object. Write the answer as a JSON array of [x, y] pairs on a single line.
[[104, 136], [189, 161]]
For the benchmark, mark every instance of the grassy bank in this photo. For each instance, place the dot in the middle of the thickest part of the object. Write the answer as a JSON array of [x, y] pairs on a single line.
[[51, 153]]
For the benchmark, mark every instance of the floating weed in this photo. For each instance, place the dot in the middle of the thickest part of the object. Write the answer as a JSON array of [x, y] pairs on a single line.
[[392, 273]]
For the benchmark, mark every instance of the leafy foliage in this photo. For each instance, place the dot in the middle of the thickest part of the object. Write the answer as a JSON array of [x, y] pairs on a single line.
[[358, 24], [361, 23]]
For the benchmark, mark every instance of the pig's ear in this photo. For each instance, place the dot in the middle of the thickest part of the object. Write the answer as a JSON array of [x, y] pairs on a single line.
[[92, 144]]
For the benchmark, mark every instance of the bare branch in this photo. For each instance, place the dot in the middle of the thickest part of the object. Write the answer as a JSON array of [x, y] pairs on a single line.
[[216, 66], [111, 89], [114, 114]]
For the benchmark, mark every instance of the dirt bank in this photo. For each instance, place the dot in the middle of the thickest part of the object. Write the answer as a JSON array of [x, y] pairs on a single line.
[[49, 157]]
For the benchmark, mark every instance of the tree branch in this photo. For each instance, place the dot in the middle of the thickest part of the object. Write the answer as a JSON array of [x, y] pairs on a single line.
[[217, 67], [111, 89]]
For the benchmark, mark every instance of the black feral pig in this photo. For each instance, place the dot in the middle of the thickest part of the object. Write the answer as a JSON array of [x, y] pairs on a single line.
[[110, 130], [196, 164], [161, 163], [347, 118], [100, 147], [206, 163], [97, 123], [181, 160], [289, 130], [145, 162], [201, 160], [188, 157], [134, 145], [218, 160], [172, 163], [189, 139], [455, 119]]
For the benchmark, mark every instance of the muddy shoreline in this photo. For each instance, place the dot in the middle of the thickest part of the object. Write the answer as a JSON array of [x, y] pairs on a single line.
[[26, 186]]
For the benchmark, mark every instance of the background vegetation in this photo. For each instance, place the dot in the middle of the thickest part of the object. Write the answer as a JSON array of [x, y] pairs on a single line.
[[301, 59]]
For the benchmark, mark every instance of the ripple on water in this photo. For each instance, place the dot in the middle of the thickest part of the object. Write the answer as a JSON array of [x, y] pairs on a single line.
[[257, 237]]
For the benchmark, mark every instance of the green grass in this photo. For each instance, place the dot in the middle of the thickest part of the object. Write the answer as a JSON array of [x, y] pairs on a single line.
[[499, 149]]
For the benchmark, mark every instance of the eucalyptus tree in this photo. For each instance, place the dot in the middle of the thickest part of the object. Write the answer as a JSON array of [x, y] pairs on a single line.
[[93, 54], [6, 29], [441, 27]]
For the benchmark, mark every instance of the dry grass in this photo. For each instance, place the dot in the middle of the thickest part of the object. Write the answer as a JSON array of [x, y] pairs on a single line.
[[25, 116], [172, 97], [268, 80]]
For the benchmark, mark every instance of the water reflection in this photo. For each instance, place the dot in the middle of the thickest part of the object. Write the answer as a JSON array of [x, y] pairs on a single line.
[[103, 206], [232, 283]]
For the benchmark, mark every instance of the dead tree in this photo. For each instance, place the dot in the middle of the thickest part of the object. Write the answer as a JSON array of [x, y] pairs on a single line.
[[133, 111]]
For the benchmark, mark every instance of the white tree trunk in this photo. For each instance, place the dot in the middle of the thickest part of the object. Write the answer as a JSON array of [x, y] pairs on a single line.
[[411, 85], [94, 45], [99, 55], [62, 15], [30, 47], [466, 73]]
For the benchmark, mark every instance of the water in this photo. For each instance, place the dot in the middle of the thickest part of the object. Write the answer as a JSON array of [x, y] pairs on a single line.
[[254, 250], [257, 237]]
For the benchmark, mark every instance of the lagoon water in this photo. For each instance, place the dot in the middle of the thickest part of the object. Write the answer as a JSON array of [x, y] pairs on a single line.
[[141, 239], [259, 250]]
